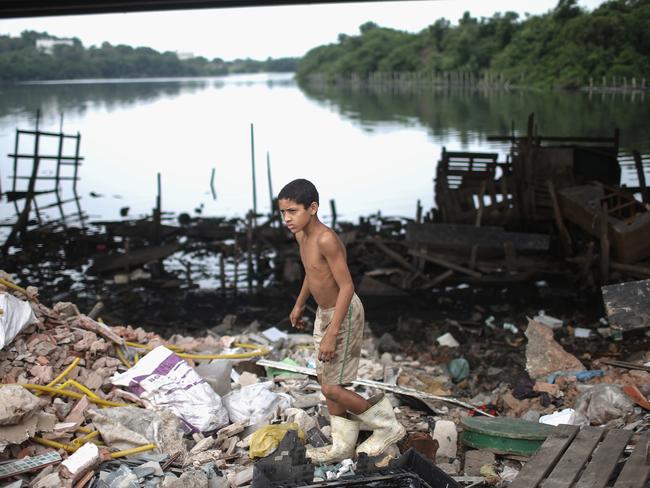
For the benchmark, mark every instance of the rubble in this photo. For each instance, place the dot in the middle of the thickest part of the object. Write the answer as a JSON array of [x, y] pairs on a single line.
[[102, 398]]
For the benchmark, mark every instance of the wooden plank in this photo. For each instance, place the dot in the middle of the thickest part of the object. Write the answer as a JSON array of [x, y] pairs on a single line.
[[445, 264], [565, 238], [604, 246], [437, 280], [511, 257], [636, 471], [569, 466], [395, 256], [459, 236], [628, 304], [604, 460], [545, 458]]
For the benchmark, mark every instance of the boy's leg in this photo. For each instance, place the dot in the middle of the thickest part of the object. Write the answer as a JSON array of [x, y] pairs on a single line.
[[340, 400]]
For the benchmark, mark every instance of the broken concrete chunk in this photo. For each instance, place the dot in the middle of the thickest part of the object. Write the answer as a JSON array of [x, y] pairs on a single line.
[[445, 433], [544, 355], [15, 403], [85, 458]]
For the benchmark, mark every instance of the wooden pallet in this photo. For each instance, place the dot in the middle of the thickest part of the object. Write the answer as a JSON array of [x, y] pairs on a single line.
[[585, 458]]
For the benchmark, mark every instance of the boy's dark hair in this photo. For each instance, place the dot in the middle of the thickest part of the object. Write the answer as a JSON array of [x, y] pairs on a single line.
[[300, 191]]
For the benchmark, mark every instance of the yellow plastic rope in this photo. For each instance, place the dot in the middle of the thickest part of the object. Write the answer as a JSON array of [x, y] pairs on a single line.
[[135, 450], [87, 437], [64, 373], [54, 444], [13, 286], [56, 391]]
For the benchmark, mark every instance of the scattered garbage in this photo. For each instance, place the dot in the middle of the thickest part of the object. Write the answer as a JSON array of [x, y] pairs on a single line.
[[102, 406]]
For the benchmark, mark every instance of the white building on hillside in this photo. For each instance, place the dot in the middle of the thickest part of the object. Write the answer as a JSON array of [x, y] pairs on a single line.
[[47, 45]]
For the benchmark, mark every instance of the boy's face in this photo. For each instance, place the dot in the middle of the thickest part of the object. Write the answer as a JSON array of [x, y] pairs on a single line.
[[295, 215]]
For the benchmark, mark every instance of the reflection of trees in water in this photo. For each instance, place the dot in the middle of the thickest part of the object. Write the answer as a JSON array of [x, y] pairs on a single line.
[[52, 99], [467, 113]]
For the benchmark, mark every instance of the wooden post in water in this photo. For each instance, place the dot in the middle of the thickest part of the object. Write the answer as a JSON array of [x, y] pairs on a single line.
[[333, 209], [249, 250], [253, 172], [235, 255], [638, 163], [268, 175], [222, 271], [418, 212], [604, 245], [157, 213], [23, 219]]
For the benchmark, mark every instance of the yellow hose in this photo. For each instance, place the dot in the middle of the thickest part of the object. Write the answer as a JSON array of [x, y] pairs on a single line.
[[149, 348], [135, 450], [86, 430], [85, 390], [54, 444], [56, 391], [13, 286], [122, 357], [87, 437], [64, 373]]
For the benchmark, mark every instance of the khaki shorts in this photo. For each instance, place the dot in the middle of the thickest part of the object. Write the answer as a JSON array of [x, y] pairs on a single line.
[[342, 370]]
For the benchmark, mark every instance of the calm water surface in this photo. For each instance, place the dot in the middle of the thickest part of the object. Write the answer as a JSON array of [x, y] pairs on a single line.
[[367, 149]]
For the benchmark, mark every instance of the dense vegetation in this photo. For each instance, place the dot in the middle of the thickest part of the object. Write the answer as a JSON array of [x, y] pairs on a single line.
[[564, 47], [21, 60]]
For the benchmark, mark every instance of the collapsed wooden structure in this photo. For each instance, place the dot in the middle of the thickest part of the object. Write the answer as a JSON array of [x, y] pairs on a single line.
[[553, 210]]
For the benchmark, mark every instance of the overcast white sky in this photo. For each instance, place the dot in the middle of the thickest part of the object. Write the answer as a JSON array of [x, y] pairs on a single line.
[[260, 32]]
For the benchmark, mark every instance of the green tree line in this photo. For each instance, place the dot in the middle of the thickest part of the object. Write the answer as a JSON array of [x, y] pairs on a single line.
[[21, 60], [566, 47]]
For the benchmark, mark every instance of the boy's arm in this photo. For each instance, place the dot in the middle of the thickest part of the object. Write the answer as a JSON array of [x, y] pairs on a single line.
[[334, 252], [296, 314]]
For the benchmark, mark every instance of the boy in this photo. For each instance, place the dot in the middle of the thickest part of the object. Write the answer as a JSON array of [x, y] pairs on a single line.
[[338, 330]]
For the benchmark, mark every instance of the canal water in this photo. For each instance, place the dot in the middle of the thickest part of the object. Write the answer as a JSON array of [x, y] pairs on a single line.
[[368, 149]]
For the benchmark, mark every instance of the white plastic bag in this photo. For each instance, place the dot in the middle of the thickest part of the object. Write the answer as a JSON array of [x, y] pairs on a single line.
[[255, 403], [601, 404], [15, 315], [162, 379]]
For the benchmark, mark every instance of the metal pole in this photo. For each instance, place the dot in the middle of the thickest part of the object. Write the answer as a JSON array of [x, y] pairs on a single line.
[[253, 171], [268, 174]]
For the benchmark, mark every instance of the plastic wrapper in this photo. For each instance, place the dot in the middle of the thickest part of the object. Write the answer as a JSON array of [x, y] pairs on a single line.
[[256, 403], [266, 439], [601, 404], [164, 380], [15, 315]]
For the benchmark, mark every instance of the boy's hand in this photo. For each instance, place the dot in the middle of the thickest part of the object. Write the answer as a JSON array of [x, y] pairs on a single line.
[[295, 317], [327, 349]]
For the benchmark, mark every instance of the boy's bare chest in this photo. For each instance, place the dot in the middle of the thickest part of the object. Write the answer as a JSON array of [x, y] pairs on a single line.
[[312, 259]]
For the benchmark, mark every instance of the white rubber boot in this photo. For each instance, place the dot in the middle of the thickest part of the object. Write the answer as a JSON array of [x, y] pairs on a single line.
[[344, 438], [386, 429]]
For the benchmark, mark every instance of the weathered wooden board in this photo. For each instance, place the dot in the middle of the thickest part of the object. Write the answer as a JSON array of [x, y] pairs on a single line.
[[459, 236], [636, 470], [569, 466], [545, 458], [603, 462], [628, 304]]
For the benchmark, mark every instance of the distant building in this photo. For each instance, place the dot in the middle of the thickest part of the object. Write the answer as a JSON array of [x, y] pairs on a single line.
[[184, 56], [47, 45]]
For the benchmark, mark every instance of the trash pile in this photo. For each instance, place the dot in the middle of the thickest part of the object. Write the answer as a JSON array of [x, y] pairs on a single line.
[[85, 404]]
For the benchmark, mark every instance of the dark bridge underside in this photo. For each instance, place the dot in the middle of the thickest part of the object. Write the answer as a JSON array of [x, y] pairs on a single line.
[[40, 8]]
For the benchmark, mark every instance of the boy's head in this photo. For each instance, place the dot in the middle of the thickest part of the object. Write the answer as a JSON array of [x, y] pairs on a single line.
[[298, 202]]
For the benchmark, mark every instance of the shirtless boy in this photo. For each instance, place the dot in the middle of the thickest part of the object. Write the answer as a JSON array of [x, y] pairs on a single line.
[[338, 330]]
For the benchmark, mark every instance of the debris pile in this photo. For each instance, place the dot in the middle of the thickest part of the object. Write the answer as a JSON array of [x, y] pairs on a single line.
[[88, 404]]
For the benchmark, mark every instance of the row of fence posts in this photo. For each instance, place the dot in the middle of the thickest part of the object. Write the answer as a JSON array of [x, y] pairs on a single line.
[[465, 79]]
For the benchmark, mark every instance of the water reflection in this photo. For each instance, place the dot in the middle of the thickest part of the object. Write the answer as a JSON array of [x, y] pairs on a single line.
[[467, 113]]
